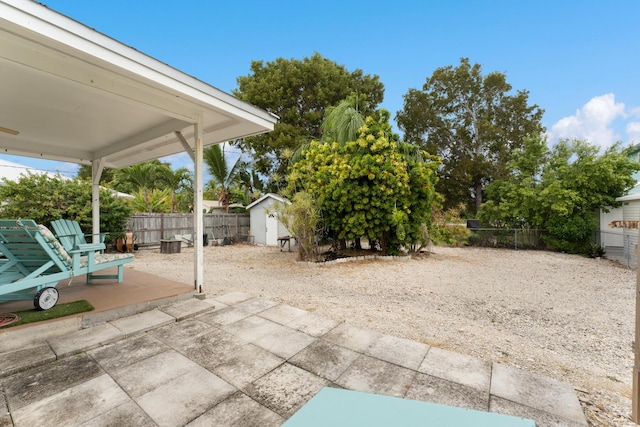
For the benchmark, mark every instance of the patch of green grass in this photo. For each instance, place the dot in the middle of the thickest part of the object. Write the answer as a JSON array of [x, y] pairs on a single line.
[[59, 310]]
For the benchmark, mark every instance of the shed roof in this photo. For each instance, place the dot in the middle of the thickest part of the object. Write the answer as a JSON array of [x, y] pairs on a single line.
[[268, 196]]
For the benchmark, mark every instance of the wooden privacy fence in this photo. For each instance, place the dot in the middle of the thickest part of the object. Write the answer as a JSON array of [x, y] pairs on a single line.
[[150, 228]]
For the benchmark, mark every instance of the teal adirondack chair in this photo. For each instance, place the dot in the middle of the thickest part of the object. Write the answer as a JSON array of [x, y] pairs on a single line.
[[72, 237], [35, 261]]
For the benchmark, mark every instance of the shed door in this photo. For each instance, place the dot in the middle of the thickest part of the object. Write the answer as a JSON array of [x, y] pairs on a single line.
[[271, 224]]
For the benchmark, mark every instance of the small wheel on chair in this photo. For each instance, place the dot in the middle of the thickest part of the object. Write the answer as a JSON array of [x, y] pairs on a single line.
[[45, 298]]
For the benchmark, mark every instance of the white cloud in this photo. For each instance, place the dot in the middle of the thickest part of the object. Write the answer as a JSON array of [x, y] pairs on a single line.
[[593, 122], [633, 132], [635, 112]]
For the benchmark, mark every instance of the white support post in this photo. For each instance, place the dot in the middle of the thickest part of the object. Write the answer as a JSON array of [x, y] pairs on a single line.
[[635, 396], [198, 217], [96, 172]]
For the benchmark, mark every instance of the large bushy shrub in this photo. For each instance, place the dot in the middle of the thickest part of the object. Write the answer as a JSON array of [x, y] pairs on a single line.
[[44, 199]]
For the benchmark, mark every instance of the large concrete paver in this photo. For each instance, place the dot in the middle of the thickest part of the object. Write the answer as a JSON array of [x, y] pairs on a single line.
[[373, 375], [148, 374], [456, 367], [249, 361], [226, 316], [232, 298], [238, 410], [255, 305], [253, 328], [401, 351], [325, 359], [436, 390], [188, 308], [128, 351], [73, 405], [176, 333], [15, 361], [353, 338], [285, 389], [246, 365], [313, 324], [143, 322], [282, 313], [85, 339], [27, 387], [542, 418], [5, 415], [211, 349], [127, 414], [543, 393], [284, 342], [172, 389], [184, 398]]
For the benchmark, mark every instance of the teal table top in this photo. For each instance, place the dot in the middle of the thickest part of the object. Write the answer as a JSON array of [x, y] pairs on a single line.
[[341, 408]]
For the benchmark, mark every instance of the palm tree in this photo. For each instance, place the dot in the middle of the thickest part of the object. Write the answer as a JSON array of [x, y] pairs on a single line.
[[250, 181], [177, 180], [342, 122], [155, 200], [223, 175], [140, 177]]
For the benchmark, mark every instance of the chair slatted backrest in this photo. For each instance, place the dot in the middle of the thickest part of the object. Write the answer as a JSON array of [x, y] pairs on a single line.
[[22, 242], [66, 233], [75, 226]]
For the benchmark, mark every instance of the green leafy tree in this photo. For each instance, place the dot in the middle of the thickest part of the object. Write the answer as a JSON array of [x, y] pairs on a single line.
[[84, 173], [178, 182], [154, 200], [44, 199], [141, 177], [298, 92], [472, 122], [560, 190], [373, 187], [225, 176]]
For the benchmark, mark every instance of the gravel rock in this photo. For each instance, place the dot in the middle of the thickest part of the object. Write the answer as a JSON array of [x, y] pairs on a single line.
[[564, 316]]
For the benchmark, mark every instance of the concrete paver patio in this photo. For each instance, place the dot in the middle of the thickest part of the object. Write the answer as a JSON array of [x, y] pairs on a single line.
[[236, 360]]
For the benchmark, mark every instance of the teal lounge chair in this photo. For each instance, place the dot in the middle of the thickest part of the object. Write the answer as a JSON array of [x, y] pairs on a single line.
[[35, 261]]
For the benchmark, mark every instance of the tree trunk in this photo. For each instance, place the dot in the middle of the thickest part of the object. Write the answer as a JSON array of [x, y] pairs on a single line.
[[147, 201], [478, 191]]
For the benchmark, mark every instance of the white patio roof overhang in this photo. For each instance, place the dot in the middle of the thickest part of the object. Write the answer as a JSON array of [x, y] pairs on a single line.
[[70, 93]]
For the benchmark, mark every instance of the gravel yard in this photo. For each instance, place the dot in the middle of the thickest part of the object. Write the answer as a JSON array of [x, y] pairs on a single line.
[[564, 316]]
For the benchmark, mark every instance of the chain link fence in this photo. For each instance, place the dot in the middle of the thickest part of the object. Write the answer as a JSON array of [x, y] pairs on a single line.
[[509, 238]]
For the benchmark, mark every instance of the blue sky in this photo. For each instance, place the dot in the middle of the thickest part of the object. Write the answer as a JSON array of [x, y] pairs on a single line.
[[578, 59]]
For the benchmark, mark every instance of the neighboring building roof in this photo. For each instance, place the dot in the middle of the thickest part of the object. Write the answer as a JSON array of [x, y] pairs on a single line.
[[267, 196], [215, 204], [13, 172], [633, 194]]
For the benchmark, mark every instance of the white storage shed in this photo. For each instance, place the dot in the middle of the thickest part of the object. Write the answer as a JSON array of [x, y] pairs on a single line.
[[265, 226]]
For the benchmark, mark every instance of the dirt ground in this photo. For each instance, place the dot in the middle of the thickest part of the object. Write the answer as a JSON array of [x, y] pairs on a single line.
[[565, 316]]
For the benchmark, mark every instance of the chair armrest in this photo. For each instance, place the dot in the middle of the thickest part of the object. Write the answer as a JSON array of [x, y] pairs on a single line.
[[102, 236], [90, 247]]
